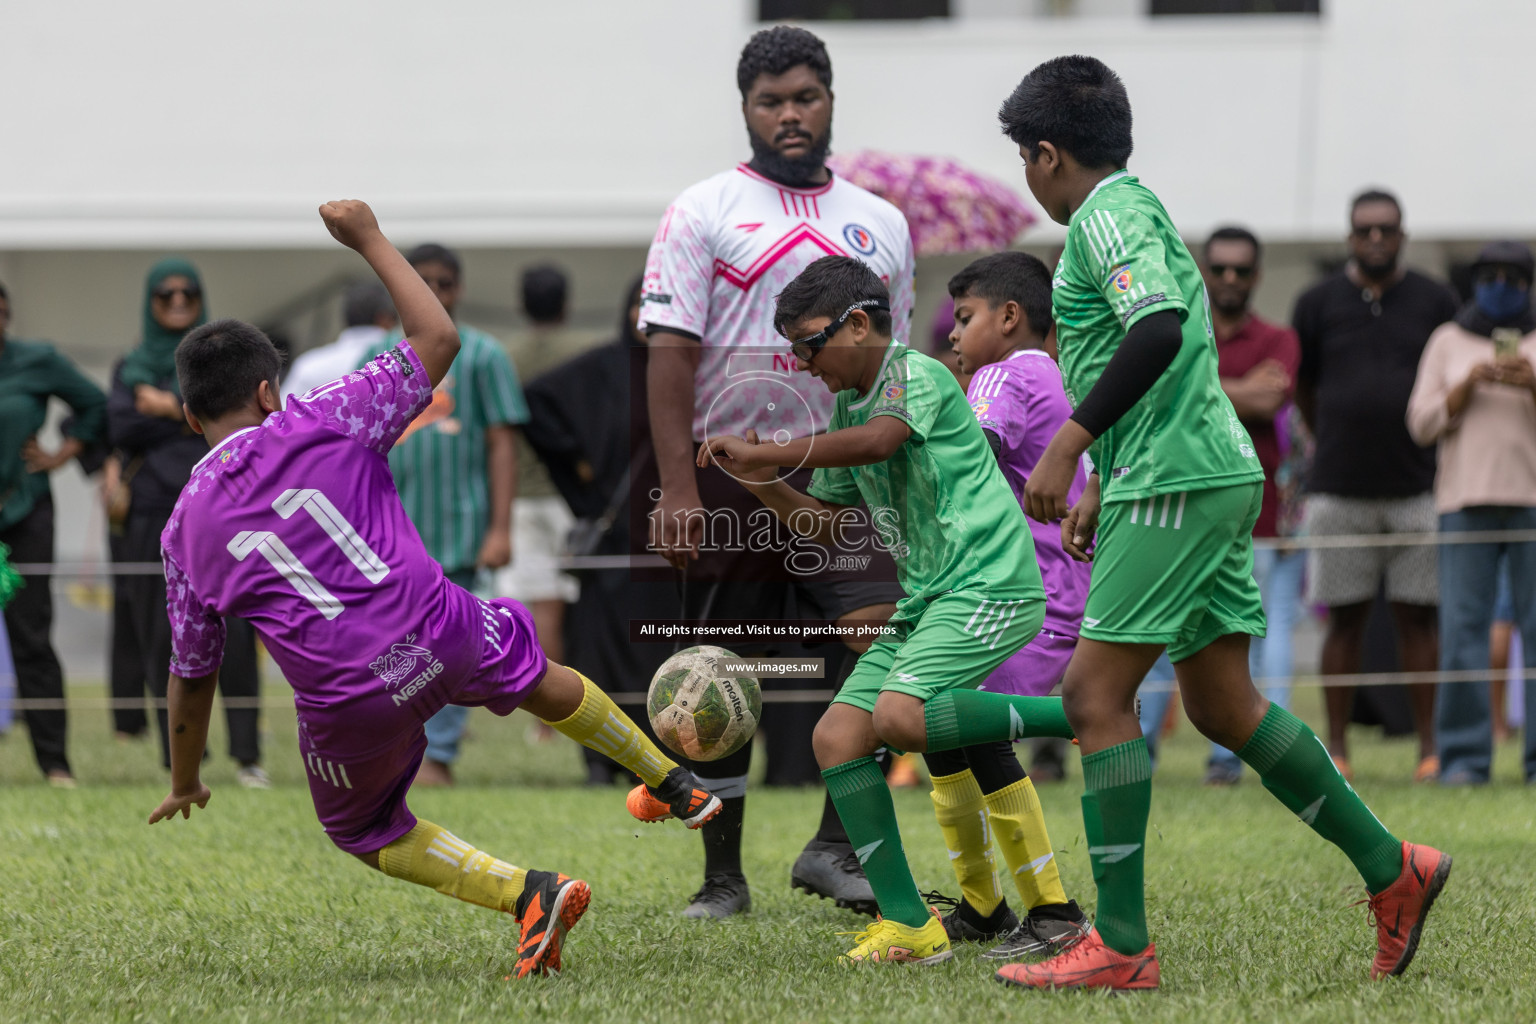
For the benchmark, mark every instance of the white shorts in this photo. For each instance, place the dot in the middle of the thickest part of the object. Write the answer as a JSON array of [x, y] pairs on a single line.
[[539, 529], [1342, 576]]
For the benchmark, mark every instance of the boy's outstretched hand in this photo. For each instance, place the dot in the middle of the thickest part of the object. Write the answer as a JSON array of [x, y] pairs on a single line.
[[350, 222], [181, 802], [738, 456]]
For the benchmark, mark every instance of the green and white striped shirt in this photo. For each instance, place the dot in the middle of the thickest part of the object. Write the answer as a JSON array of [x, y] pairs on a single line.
[[440, 463]]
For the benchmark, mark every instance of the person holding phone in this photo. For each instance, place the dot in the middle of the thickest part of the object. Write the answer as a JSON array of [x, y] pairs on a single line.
[[1475, 395]]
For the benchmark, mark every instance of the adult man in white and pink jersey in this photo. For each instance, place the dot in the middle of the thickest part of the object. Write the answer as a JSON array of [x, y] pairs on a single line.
[[724, 250]]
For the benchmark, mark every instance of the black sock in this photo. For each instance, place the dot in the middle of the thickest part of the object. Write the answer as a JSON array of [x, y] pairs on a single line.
[[995, 765], [1068, 911], [722, 838], [831, 830]]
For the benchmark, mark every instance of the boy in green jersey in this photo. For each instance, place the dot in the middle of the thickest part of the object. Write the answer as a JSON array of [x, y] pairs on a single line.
[[904, 442], [1173, 505]]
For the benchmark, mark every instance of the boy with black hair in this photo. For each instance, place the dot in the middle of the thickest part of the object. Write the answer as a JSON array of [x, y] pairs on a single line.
[[1174, 499], [981, 794], [362, 622], [903, 442]]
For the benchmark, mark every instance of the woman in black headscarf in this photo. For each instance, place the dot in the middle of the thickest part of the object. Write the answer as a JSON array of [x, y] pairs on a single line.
[[156, 452], [589, 423]]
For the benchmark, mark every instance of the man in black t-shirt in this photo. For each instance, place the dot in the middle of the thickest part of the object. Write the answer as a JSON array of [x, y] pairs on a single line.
[[1362, 331]]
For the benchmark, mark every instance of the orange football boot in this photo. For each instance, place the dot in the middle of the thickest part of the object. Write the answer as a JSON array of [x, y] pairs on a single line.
[[1401, 907], [679, 796], [550, 906], [1089, 964]]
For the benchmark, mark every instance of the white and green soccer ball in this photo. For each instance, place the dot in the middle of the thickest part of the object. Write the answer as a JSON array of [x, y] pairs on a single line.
[[698, 712]]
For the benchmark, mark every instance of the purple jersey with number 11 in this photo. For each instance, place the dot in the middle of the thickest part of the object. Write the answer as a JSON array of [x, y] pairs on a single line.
[[295, 524]]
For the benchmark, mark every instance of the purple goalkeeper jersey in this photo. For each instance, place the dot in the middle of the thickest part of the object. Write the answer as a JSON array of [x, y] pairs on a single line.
[[295, 525], [1023, 402]]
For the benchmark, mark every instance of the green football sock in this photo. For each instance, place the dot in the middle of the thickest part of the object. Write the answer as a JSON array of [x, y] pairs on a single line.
[[863, 801], [1296, 768], [964, 718], [1117, 797]]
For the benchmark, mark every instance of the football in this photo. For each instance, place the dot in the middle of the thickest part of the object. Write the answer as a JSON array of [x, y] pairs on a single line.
[[698, 712]]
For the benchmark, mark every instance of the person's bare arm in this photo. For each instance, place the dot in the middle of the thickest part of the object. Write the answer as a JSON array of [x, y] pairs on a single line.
[[501, 475], [672, 359], [427, 326], [1259, 393], [863, 445], [190, 703], [806, 515]]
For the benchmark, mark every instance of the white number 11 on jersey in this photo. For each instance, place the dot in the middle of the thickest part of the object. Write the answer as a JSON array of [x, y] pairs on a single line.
[[336, 527]]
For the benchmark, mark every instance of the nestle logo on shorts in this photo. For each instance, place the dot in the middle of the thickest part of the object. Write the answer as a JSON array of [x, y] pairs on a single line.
[[394, 665]]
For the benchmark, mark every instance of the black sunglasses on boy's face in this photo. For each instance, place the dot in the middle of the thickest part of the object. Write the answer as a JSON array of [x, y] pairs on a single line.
[[805, 348]]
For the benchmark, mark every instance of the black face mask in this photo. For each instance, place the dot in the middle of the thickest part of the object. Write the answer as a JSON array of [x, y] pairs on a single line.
[[796, 172]]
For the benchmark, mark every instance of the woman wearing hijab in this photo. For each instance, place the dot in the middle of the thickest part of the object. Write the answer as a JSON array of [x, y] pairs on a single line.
[[156, 452], [31, 373], [589, 425]]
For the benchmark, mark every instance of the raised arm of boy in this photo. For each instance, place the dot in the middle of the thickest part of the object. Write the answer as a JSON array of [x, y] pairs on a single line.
[[427, 326]]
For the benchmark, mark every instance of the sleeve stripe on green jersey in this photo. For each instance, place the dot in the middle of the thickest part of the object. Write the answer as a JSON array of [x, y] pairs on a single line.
[[1105, 239]]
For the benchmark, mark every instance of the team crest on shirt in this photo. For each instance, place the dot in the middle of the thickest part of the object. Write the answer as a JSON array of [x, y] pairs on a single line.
[[980, 408], [1122, 279], [894, 391], [859, 239]]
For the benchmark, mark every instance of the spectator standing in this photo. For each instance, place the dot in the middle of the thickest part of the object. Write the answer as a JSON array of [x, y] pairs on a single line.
[[31, 373], [599, 454], [1362, 331], [368, 316], [541, 519], [1476, 396], [724, 249], [456, 469], [158, 451]]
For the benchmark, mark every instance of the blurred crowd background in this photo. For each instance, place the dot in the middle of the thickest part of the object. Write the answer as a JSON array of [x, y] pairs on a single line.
[[1297, 149]]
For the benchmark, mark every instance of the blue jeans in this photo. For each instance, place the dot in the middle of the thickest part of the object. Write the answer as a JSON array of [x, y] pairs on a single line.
[[446, 728], [1469, 576], [1279, 578]]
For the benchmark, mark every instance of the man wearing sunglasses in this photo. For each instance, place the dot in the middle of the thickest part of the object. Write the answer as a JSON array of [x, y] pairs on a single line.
[[724, 249], [1362, 331]]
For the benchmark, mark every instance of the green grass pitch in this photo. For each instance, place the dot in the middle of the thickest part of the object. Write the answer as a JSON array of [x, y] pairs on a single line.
[[246, 913]]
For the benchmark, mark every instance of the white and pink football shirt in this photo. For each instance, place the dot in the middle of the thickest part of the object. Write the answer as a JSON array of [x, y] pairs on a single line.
[[725, 249]]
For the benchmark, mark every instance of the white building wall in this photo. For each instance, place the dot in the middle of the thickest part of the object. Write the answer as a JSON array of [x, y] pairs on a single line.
[[573, 123]]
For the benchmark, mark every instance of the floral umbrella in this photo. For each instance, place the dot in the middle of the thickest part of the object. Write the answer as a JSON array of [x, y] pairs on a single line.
[[949, 207]]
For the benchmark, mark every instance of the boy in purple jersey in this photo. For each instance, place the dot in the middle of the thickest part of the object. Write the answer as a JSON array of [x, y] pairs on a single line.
[[292, 521], [981, 794]]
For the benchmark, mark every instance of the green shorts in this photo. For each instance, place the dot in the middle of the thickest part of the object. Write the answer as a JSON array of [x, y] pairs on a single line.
[[1177, 570], [957, 641]]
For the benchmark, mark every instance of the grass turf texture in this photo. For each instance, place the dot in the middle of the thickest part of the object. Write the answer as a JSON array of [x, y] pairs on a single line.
[[247, 913]]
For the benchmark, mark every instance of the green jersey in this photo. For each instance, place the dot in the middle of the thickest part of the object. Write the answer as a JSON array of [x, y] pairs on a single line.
[[439, 464], [1122, 261], [939, 504]]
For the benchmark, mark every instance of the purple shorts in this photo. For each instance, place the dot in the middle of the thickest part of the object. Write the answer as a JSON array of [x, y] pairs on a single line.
[[361, 801], [1036, 668]]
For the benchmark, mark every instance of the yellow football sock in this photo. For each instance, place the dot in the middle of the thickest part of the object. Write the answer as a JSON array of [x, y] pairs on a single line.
[[431, 855], [1019, 829], [598, 723], [962, 815]]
